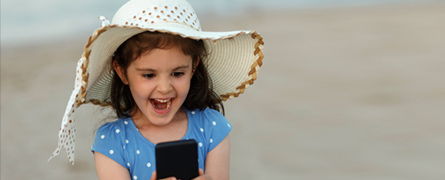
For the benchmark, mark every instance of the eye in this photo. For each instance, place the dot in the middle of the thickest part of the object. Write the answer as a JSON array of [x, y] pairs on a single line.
[[177, 74], [148, 76]]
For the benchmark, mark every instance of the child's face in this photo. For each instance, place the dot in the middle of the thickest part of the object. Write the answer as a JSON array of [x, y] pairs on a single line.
[[159, 83]]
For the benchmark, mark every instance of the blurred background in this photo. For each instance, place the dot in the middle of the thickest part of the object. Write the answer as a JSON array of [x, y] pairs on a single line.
[[349, 89]]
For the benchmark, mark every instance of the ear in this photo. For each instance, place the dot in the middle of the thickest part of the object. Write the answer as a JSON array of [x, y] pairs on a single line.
[[120, 72], [195, 65]]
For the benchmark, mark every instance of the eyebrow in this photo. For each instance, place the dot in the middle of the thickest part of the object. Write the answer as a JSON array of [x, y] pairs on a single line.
[[149, 69]]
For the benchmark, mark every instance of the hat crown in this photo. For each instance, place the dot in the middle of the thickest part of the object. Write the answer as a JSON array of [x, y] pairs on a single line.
[[151, 13]]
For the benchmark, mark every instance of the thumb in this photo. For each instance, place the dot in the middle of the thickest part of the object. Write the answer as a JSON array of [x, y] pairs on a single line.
[[153, 176]]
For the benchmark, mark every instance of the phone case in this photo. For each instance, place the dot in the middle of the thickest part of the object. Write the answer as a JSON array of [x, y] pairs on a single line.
[[177, 159]]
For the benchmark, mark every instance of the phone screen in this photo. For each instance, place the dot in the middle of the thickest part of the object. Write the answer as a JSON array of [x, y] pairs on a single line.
[[177, 159]]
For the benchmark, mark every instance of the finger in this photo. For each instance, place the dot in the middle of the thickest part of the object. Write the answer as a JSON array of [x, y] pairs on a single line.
[[169, 178], [203, 177], [153, 176]]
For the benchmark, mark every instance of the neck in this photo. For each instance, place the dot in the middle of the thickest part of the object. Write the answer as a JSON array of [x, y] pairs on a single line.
[[172, 131]]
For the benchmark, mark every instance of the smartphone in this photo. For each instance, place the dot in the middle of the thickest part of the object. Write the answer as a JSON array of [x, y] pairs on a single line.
[[177, 159]]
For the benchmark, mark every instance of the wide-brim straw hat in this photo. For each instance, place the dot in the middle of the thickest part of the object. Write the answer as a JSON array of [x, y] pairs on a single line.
[[233, 62]]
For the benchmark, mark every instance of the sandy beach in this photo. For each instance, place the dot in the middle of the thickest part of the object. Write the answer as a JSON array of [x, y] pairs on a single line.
[[344, 93]]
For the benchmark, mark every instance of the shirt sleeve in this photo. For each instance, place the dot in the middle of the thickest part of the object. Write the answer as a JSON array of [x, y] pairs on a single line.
[[109, 142], [218, 127]]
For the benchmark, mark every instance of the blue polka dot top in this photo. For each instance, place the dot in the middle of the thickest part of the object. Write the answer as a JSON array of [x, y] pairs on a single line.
[[121, 141]]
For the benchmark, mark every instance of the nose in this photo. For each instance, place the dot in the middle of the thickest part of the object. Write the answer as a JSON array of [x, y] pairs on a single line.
[[164, 86]]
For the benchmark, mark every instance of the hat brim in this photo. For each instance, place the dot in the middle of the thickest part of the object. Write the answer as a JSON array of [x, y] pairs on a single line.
[[234, 59]]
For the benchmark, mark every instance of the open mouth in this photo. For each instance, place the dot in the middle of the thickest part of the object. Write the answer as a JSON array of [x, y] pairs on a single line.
[[161, 104]]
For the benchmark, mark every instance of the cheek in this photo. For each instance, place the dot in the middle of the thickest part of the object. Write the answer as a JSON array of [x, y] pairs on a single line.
[[136, 93], [183, 87], [139, 90]]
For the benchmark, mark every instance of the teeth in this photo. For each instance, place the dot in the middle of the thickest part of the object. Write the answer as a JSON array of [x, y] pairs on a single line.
[[168, 101], [168, 104], [162, 101]]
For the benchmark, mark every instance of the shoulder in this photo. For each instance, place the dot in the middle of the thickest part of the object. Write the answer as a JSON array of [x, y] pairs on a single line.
[[207, 114], [210, 119], [119, 123], [112, 129], [213, 126], [110, 141]]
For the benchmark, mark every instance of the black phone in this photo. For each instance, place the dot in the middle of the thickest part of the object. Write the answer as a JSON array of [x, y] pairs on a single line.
[[177, 159]]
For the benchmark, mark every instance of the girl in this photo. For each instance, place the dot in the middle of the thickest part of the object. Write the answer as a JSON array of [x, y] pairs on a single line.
[[165, 79]]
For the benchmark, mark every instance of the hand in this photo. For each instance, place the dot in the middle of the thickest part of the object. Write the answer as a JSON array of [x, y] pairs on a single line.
[[153, 177], [201, 176]]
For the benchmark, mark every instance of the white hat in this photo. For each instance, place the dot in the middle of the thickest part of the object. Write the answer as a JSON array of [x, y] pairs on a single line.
[[233, 62]]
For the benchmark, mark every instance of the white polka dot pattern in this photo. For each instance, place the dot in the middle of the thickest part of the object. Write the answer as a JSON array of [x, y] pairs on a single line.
[[105, 21], [146, 15], [67, 130]]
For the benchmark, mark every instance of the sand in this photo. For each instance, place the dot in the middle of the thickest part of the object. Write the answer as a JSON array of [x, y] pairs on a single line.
[[344, 93]]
